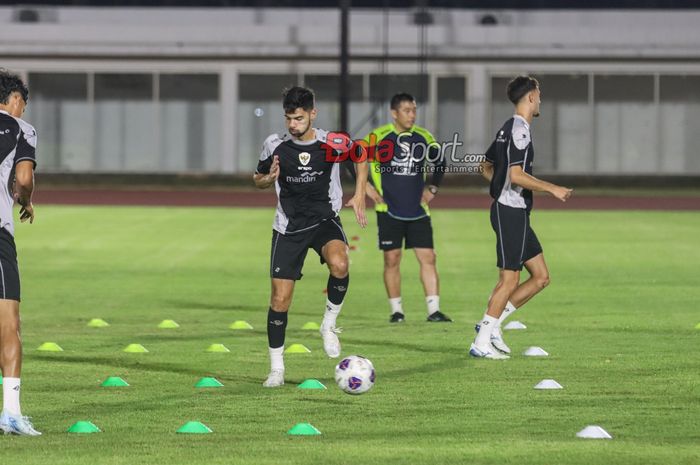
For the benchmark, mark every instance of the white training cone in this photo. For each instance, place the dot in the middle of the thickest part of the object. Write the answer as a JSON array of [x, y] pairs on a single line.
[[515, 325], [593, 432], [535, 352], [548, 384]]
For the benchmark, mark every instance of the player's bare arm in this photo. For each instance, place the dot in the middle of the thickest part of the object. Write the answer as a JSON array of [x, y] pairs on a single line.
[[357, 202], [522, 179], [487, 170], [374, 195], [24, 186], [263, 181]]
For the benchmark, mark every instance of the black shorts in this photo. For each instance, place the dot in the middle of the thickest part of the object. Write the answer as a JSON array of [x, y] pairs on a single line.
[[289, 251], [418, 233], [516, 242], [9, 272]]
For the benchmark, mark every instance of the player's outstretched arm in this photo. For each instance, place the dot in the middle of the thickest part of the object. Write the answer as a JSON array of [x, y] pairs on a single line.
[[357, 202], [24, 186], [265, 180], [521, 178]]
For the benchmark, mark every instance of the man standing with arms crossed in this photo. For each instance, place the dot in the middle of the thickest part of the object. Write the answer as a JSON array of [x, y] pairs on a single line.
[[508, 167], [17, 162], [309, 201], [401, 194]]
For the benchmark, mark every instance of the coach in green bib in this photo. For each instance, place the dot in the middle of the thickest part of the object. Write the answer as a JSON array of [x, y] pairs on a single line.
[[406, 167]]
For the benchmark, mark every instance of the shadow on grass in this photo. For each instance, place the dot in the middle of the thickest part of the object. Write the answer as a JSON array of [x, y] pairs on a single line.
[[200, 305]]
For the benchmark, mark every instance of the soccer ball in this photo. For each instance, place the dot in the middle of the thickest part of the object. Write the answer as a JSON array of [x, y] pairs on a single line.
[[354, 374]]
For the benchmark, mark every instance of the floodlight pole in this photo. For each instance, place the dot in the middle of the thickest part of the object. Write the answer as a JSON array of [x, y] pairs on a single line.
[[344, 62]]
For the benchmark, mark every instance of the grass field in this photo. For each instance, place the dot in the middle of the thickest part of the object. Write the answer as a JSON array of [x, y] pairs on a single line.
[[618, 321]]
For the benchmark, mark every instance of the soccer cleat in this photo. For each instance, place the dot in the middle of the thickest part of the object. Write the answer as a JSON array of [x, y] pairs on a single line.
[[19, 425], [439, 317], [496, 339], [331, 343], [486, 352], [274, 379], [396, 317]]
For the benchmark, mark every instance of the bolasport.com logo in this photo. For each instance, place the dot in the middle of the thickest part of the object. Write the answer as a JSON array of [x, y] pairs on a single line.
[[403, 156]]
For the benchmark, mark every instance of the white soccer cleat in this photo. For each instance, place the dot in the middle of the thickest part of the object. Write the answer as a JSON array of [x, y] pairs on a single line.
[[274, 379], [331, 343], [19, 425], [486, 352], [498, 342], [496, 339]]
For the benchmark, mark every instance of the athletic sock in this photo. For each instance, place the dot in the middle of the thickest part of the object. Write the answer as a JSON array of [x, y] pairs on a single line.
[[276, 327], [337, 288], [10, 396], [483, 339], [508, 311], [395, 303], [329, 317], [433, 302], [276, 358]]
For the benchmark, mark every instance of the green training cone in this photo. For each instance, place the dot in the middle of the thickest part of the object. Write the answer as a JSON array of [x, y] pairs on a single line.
[[311, 384], [220, 348], [297, 349], [168, 324], [208, 383], [97, 323], [194, 427], [240, 324], [303, 429], [114, 381], [311, 325], [135, 349], [49, 347], [84, 427]]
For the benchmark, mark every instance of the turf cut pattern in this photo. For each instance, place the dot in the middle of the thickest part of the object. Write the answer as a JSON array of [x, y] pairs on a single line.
[[618, 322]]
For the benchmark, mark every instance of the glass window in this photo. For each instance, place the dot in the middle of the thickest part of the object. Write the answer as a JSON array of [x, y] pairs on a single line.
[[451, 112], [59, 110], [190, 123], [625, 124], [259, 113], [327, 91], [679, 117], [383, 86], [125, 123], [561, 135]]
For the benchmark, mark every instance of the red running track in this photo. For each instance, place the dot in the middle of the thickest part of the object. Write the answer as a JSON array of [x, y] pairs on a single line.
[[231, 198]]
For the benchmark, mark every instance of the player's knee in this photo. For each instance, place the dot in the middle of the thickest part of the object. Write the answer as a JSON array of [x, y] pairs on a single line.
[[280, 302], [509, 282], [392, 260], [542, 280], [339, 267], [429, 258]]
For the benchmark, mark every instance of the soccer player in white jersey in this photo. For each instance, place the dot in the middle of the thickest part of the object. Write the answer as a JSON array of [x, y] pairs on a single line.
[[301, 166], [17, 162], [508, 167]]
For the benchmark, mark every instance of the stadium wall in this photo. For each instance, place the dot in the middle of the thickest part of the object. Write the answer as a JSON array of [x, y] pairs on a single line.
[[195, 91]]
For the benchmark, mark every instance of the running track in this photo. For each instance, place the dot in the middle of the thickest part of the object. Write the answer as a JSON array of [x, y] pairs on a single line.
[[233, 198]]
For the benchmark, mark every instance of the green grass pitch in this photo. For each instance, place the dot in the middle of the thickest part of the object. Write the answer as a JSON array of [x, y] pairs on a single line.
[[618, 321]]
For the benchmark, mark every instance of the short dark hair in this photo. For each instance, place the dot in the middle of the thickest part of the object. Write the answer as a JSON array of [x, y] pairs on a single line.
[[10, 83], [520, 86], [297, 97], [397, 99]]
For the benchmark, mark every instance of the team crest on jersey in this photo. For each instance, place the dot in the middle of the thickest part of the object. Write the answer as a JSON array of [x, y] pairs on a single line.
[[304, 158]]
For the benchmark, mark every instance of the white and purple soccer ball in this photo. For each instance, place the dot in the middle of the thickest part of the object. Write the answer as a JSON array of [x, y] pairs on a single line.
[[354, 374]]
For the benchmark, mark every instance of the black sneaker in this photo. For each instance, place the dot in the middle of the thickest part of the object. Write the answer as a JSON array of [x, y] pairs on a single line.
[[396, 318], [439, 317]]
